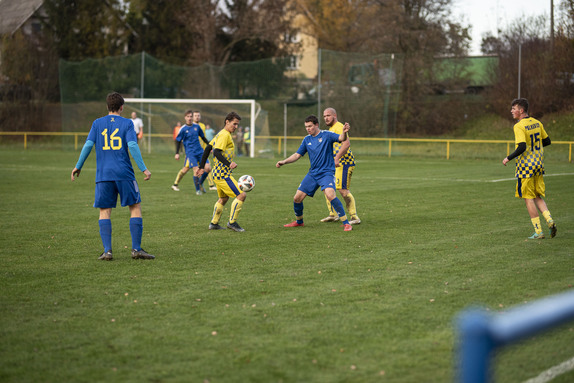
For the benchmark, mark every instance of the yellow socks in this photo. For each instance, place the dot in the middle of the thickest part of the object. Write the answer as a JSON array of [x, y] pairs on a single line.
[[548, 218], [350, 202], [536, 224], [235, 209], [178, 178], [217, 210], [332, 211]]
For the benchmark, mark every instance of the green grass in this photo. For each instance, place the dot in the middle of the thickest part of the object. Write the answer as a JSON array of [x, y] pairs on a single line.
[[311, 304]]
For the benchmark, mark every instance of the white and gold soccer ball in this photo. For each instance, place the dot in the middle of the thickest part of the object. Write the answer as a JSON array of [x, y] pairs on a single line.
[[246, 183]]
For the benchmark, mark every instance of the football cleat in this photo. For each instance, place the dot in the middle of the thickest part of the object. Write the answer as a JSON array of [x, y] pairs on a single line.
[[355, 220], [174, 187], [215, 226], [347, 227], [330, 218], [198, 192], [201, 189], [106, 256], [213, 187], [294, 224], [141, 254], [235, 227], [553, 230], [537, 236]]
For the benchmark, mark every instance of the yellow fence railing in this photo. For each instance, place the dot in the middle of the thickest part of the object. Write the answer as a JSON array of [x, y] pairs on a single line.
[[281, 140], [446, 141]]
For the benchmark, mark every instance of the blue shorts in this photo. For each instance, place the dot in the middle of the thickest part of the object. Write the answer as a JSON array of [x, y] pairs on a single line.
[[107, 194], [193, 160], [310, 183]]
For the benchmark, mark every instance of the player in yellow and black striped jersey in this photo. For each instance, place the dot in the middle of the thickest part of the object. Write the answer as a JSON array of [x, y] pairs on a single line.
[[344, 167], [530, 139], [223, 165]]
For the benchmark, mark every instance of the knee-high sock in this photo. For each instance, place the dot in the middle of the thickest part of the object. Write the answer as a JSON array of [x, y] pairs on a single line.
[[350, 202], [332, 212], [196, 182], [338, 206], [217, 210], [236, 206], [106, 233], [548, 217], [298, 208], [178, 178], [536, 224], [202, 178], [136, 230]]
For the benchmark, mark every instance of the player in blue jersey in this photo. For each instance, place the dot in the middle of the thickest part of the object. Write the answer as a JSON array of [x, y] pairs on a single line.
[[189, 136], [115, 138], [530, 139], [319, 145]]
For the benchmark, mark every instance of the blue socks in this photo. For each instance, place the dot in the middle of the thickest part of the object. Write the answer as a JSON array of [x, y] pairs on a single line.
[[106, 233], [136, 230], [196, 183], [338, 206], [203, 177], [298, 207]]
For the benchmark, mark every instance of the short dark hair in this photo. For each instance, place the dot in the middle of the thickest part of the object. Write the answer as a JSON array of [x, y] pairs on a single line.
[[521, 102], [232, 116], [312, 118], [115, 101], [189, 111]]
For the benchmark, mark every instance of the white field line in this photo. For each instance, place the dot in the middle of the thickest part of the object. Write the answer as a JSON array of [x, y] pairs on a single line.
[[553, 372], [545, 175]]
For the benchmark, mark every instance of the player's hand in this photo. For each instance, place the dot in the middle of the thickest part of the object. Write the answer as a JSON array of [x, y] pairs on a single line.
[[177, 156], [75, 173], [337, 163], [279, 164], [346, 127], [505, 161], [147, 175], [233, 165], [198, 172]]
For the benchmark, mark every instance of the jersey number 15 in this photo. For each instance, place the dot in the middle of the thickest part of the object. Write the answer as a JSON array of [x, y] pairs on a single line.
[[116, 142]]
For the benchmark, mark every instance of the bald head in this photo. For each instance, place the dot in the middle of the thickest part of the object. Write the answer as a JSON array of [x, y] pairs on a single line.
[[330, 116]]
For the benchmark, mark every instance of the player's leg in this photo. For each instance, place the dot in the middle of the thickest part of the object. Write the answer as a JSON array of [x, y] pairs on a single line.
[[307, 188], [130, 196], [106, 196], [230, 187], [338, 206], [333, 216], [218, 208], [206, 172], [347, 172], [180, 175], [540, 190], [525, 190]]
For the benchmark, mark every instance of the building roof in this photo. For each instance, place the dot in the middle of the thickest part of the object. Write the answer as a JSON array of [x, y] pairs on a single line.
[[14, 13]]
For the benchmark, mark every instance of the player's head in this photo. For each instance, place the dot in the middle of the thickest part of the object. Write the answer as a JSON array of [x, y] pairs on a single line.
[[330, 116], [196, 116], [115, 102], [312, 125], [232, 122], [188, 116], [519, 107]]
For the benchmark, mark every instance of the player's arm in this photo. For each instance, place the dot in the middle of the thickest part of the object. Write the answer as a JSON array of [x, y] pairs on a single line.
[[202, 135], [137, 156], [342, 150], [546, 141], [344, 136], [292, 158], [218, 153], [519, 150], [83, 157]]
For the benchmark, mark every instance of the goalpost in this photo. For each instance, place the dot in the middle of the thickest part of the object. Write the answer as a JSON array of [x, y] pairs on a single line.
[[159, 114]]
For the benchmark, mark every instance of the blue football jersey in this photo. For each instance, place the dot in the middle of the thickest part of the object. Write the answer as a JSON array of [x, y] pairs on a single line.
[[189, 136], [111, 135], [320, 149]]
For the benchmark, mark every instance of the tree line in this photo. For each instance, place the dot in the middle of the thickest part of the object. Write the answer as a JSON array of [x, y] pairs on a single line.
[[194, 32]]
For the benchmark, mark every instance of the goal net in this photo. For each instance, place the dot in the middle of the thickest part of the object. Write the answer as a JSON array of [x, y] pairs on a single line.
[[160, 116]]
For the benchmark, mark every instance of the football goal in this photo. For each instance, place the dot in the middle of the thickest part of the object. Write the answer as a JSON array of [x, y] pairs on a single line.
[[160, 116]]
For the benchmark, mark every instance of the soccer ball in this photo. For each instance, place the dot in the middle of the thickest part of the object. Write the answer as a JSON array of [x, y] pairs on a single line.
[[246, 183]]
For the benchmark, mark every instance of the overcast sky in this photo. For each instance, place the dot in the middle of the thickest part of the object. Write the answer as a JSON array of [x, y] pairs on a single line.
[[489, 15]]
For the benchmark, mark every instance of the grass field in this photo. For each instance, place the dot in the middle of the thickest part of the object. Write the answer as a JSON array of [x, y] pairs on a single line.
[[311, 304]]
